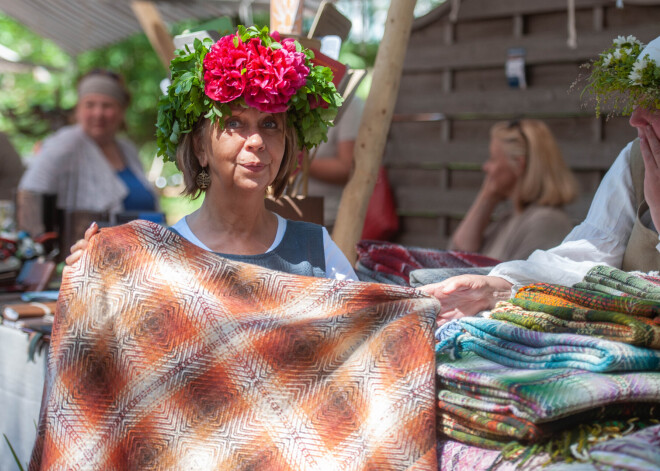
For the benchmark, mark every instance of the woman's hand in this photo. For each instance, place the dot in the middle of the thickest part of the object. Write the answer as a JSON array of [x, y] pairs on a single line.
[[80, 246], [466, 295], [650, 145]]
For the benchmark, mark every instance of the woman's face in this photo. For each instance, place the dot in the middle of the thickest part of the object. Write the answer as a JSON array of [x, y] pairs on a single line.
[[100, 116], [500, 169], [248, 152], [642, 117]]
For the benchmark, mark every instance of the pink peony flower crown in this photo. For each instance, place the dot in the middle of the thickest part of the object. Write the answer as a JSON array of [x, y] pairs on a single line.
[[249, 68]]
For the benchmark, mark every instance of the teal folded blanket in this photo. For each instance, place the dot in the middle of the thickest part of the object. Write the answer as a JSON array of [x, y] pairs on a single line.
[[518, 347]]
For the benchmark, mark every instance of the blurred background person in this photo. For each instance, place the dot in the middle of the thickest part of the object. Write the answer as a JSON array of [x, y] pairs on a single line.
[[525, 169], [11, 168], [86, 166], [331, 167]]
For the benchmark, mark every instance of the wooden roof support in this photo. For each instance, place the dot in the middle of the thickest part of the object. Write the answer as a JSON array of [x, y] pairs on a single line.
[[376, 119], [155, 29], [286, 16]]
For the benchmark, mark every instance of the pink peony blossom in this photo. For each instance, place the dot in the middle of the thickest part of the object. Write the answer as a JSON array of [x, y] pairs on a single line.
[[271, 77], [223, 64]]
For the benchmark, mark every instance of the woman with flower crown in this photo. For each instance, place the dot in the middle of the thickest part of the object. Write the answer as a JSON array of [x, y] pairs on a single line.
[[621, 228], [235, 116]]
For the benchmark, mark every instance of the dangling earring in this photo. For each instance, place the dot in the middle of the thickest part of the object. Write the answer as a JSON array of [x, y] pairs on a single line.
[[203, 179]]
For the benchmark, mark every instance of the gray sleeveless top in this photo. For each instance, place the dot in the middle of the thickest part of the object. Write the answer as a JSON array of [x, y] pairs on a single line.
[[300, 252]]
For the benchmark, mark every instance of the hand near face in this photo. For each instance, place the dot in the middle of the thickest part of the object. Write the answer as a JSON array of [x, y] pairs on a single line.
[[502, 173], [495, 188], [650, 146], [466, 295]]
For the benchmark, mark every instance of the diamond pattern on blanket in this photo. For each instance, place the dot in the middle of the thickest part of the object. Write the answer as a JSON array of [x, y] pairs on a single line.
[[165, 356]]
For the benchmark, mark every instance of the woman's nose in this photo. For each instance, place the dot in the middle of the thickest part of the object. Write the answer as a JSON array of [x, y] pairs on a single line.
[[638, 118], [255, 141]]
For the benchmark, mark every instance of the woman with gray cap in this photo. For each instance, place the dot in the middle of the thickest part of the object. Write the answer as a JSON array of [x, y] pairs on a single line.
[[86, 165]]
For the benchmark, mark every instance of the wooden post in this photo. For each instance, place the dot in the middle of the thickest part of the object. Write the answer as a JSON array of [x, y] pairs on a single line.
[[155, 29], [286, 16], [376, 119]]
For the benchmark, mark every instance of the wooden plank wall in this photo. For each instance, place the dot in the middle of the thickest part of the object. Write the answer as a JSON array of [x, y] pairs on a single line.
[[454, 88]]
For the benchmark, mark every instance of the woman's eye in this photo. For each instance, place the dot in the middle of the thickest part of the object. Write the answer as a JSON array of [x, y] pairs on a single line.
[[232, 123], [270, 124]]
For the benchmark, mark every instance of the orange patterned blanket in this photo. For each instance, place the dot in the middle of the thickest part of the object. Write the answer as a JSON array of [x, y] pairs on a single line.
[[165, 356]]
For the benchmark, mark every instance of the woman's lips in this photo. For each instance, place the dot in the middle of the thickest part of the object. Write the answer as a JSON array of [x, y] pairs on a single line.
[[253, 167]]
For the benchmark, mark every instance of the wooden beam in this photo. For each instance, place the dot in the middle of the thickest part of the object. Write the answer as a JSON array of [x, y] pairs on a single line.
[[286, 16], [541, 49], [370, 142], [155, 29]]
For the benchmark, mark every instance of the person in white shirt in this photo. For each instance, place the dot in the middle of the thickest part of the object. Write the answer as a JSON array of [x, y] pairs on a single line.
[[621, 228]]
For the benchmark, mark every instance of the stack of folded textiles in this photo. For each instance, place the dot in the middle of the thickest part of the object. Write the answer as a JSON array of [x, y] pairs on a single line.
[[390, 263], [555, 369]]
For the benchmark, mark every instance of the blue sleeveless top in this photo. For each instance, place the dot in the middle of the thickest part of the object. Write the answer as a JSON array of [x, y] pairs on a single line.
[[300, 252], [138, 198]]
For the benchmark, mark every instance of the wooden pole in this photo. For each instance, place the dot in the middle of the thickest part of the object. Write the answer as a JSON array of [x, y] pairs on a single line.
[[286, 16], [155, 29], [376, 118]]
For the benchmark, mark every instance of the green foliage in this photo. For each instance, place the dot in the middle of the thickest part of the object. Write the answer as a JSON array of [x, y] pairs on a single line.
[[622, 77], [13, 452], [186, 101], [31, 101]]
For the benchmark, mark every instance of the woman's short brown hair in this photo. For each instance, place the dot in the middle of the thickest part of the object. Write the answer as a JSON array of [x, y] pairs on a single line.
[[194, 142], [547, 180]]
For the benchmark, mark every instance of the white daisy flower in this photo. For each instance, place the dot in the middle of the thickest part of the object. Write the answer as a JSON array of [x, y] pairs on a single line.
[[619, 41], [635, 75], [607, 60]]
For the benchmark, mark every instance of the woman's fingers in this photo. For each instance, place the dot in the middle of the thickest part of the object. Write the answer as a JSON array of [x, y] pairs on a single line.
[[80, 245], [91, 230]]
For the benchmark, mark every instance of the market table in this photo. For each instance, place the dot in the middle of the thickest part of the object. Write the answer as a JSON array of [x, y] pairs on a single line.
[[21, 387]]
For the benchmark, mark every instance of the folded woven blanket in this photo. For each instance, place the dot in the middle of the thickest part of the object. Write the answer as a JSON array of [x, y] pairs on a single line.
[[557, 295], [458, 418], [518, 347], [544, 395], [610, 280], [165, 356], [611, 325], [398, 261]]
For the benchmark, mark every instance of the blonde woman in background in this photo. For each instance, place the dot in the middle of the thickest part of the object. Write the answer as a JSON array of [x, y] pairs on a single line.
[[525, 168]]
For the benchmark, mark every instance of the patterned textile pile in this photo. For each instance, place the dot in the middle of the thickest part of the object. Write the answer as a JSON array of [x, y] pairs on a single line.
[[165, 356], [638, 451], [555, 369], [386, 262]]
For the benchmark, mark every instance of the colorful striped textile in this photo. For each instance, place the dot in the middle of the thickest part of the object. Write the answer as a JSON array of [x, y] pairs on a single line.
[[495, 430], [614, 281], [610, 325], [165, 356], [519, 347], [543, 395], [378, 260], [456, 456], [638, 451], [557, 295]]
